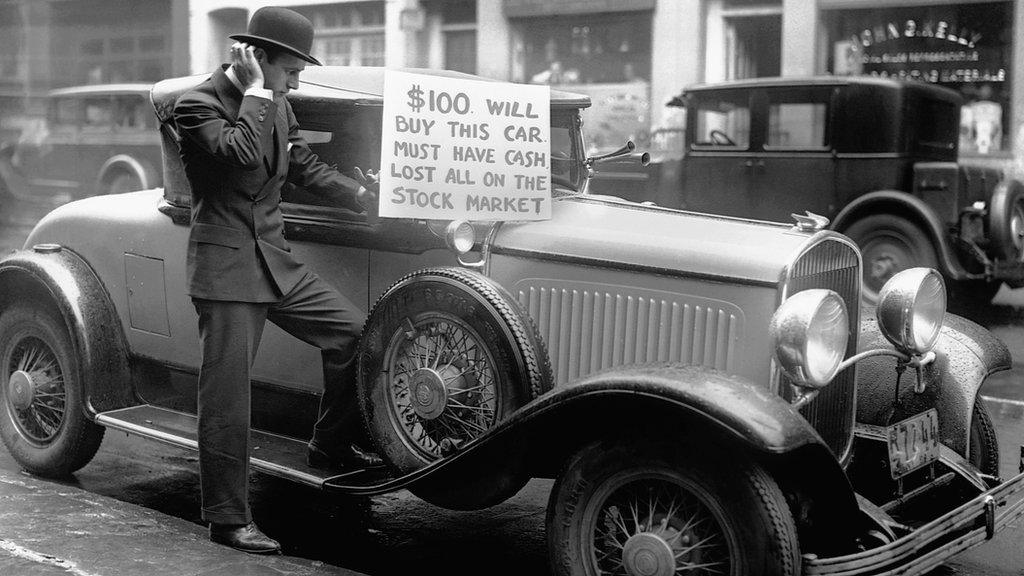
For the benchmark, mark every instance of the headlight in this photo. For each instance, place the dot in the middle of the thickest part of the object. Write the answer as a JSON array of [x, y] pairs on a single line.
[[459, 236], [809, 333], [911, 307]]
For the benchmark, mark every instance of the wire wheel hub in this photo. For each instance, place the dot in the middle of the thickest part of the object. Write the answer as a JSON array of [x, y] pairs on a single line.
[[20, 389], [648, 554], [430, 396]]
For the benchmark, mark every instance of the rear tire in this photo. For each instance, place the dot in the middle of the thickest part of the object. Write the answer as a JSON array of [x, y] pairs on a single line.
[[889, 244], [42, 417]]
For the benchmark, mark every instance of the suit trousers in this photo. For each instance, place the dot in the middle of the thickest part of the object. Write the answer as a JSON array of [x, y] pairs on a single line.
[[230, 333]]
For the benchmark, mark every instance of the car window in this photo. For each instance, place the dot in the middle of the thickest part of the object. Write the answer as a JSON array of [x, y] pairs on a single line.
[[723, 122], [564, 170], [342, 136], [796, 125], [937, 126], [98, 114], [66, 113], [133, 113]]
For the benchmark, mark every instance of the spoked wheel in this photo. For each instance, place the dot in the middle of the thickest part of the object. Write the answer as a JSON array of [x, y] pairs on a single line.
[[889, 244], [444, 390], [620, 511], [446, 355], [42, 421]]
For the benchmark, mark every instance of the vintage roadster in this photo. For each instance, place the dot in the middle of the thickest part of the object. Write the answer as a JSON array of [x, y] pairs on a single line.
[[703, 389]]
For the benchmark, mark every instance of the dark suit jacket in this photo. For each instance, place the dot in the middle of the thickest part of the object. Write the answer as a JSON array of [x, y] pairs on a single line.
[[236, 157]]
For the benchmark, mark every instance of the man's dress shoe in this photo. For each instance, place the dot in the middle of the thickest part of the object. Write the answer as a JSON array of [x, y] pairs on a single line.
[[350, 457], [244, 537]]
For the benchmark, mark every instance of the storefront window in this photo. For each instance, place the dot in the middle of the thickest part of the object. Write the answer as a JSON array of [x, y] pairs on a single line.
[[967, 48], [348, 34], [606, 56]]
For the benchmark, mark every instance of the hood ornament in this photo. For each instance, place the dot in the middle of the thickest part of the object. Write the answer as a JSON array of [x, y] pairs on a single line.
[[811, 222]]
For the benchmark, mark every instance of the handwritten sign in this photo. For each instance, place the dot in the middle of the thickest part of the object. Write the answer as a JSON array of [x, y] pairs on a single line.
[[454, 148]]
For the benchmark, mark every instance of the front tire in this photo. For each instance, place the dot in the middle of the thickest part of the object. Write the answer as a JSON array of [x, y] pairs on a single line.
[[42, 420], [889, 244], [621, 509], [984, 445]]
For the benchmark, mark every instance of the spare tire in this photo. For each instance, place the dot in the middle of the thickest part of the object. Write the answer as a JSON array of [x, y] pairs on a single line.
[[445, 355]]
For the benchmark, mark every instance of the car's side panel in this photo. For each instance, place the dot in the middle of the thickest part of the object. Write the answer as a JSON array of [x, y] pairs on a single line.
[[860, 173], [912, 208]]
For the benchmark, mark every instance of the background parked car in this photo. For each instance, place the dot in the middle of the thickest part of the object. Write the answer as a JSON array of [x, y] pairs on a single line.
[[879, 157], [98, 139]]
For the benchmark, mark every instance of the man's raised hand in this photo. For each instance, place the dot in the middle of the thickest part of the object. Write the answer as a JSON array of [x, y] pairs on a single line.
[[246, 66]]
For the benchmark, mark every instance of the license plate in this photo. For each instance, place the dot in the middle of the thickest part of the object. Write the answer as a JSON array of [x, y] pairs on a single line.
[[913, 443]]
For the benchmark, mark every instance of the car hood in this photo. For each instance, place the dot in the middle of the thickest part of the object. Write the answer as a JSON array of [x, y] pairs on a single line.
[[607, 231]]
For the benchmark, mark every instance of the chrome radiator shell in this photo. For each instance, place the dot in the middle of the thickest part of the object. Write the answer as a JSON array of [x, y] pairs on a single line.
[[829, 261]]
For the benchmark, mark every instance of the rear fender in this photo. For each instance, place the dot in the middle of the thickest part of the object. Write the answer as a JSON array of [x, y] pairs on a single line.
[[915, 210], [701, 407], [966, 354], [60, 280]]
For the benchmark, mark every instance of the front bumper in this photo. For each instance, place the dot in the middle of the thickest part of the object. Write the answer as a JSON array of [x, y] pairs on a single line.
[[965, 527]]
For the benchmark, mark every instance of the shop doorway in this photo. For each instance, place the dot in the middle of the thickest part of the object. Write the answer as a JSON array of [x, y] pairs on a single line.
[[753, 46]]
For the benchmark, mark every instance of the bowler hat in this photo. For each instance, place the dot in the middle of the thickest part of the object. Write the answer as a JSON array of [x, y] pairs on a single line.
[[282, 28]]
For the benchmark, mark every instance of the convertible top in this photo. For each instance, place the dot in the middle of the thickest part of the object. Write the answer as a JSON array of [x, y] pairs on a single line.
[[352, 84]]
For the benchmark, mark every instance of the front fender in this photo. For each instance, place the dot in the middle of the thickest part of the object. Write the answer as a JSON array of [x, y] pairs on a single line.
[[55, 277], [702, 407], [913, 208], [966, 354]]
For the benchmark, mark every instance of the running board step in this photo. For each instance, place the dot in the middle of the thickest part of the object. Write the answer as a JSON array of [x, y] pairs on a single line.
[[272, 454]]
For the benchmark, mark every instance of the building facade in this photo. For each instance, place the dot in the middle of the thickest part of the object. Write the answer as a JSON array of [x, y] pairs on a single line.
[[631, 56]]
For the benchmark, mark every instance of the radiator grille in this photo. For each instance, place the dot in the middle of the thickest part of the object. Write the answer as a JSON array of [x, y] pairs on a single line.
[[591, 327], [832, 264]]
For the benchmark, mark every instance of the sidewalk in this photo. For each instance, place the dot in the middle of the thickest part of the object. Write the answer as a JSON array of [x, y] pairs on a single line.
[[49, 529]]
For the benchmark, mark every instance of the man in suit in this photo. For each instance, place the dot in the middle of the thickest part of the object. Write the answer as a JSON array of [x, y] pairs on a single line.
[[239, 143]]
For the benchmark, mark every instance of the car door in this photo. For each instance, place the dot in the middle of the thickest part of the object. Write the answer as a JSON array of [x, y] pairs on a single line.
[[717, 174], [97, 136], [359, 255], [794, 167]]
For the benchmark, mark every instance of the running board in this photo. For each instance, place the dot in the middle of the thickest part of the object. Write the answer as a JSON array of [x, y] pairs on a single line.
[[272, 454]]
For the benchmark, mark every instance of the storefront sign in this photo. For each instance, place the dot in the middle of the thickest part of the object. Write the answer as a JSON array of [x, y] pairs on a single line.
[[941, 44], [464, 149], [962, 47]]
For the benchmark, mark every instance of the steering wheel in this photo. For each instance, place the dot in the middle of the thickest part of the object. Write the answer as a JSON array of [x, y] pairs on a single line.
[[721, 138]]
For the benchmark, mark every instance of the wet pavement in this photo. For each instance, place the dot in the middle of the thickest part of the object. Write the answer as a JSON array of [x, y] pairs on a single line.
[[48, 528]]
